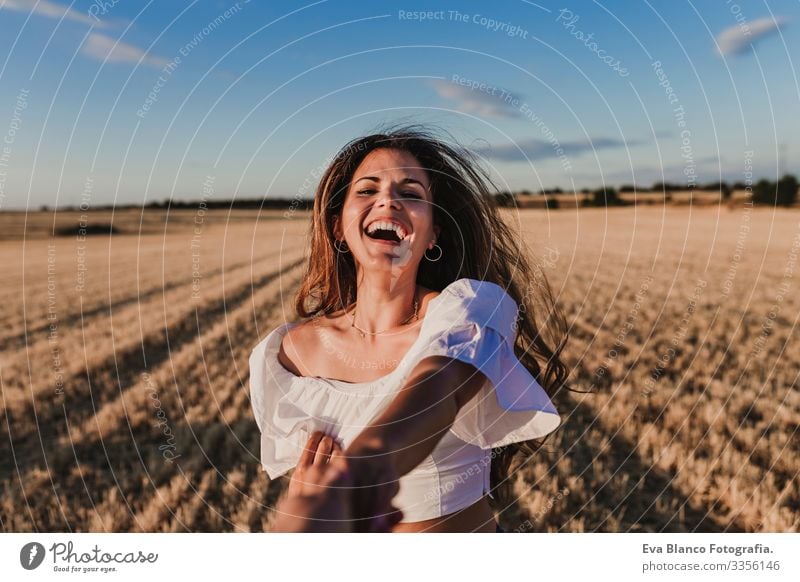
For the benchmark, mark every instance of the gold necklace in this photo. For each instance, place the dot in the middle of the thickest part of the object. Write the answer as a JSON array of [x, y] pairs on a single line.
[[364, 332]]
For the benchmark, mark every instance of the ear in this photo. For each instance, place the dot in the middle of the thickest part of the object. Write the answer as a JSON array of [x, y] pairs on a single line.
[[337, 227], [437, 229]]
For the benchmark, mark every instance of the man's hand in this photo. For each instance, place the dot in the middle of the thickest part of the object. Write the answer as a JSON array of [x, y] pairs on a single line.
[[375, 483]]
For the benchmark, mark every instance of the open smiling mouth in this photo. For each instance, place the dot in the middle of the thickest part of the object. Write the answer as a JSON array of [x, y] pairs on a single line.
[[386, 235]]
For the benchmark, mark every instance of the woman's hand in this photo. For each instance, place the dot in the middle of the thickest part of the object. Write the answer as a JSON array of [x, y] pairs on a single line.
[[321, 500], [326, 487], [320, 449]]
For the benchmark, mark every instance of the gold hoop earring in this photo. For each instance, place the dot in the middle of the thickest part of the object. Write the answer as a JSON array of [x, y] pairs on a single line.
[[437, 258], [338, 246]]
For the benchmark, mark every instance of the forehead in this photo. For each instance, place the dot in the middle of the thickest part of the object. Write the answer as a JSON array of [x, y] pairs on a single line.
[[387, 163]]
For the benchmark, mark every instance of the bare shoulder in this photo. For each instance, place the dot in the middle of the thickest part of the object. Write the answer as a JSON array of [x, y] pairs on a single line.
[[427, 295], [300, 350], [296, 347]]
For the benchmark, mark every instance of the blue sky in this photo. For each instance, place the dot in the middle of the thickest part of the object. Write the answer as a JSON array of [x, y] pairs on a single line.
[[135, 101]]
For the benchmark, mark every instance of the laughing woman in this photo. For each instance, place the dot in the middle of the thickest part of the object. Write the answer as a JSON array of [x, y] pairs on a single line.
[[419, 356]]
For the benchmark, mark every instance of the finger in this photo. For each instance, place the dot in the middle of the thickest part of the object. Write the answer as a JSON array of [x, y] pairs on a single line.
[[336, 450], [333, 484], [328, 479], [307, 456], [314, 480], [340, 468], [324, 450]]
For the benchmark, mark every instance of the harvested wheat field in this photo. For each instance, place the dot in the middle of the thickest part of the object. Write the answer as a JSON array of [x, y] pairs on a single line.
[[125, 370]]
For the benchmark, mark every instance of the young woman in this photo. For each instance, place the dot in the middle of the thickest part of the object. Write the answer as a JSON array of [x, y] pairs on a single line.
[[419, 355]]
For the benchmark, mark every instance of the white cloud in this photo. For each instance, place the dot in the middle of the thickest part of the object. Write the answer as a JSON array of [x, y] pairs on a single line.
[[50, 10], [737, 39], [106, 49], [487, 102], [535, 149]]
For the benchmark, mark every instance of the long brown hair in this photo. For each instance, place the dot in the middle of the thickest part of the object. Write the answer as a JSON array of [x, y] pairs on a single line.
[[475, 242]]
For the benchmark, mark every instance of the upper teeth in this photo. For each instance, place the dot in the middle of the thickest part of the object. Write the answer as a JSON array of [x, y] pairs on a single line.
[[386, 225]]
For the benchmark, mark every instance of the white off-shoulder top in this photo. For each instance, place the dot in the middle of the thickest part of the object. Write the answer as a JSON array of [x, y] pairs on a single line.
[[471, 321]]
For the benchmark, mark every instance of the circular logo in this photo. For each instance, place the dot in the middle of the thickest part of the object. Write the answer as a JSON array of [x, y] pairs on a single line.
[[31, 555]]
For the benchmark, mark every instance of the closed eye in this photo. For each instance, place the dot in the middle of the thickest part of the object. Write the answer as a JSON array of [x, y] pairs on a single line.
[[405, 194]]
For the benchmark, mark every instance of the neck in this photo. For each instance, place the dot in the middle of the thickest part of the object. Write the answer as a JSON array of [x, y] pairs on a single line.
[[384, 301]]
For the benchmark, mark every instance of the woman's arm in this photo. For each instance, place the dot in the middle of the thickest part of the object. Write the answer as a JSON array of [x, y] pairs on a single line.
[[408, 430], [422, 412]]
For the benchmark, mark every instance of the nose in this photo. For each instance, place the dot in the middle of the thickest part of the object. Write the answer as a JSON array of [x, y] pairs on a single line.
[[390, 196]]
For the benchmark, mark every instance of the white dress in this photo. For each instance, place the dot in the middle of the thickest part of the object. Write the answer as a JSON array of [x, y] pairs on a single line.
[[470, 320]]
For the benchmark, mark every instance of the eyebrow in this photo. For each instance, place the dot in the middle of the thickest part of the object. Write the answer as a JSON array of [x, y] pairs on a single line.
[[403, 181]]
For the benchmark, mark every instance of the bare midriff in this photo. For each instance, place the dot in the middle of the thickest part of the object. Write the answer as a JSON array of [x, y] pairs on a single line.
[[477, 517]]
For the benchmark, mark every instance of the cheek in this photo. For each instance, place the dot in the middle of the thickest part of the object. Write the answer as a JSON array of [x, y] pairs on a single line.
[[423, 223], [350, 219]]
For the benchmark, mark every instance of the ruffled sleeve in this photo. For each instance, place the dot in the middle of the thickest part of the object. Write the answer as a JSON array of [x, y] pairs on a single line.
[[278, 407], [474, 322], [277, 450]]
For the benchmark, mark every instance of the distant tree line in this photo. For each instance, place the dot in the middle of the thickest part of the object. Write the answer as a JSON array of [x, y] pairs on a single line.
[[780, 193], [266, 203], [271, 203]]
